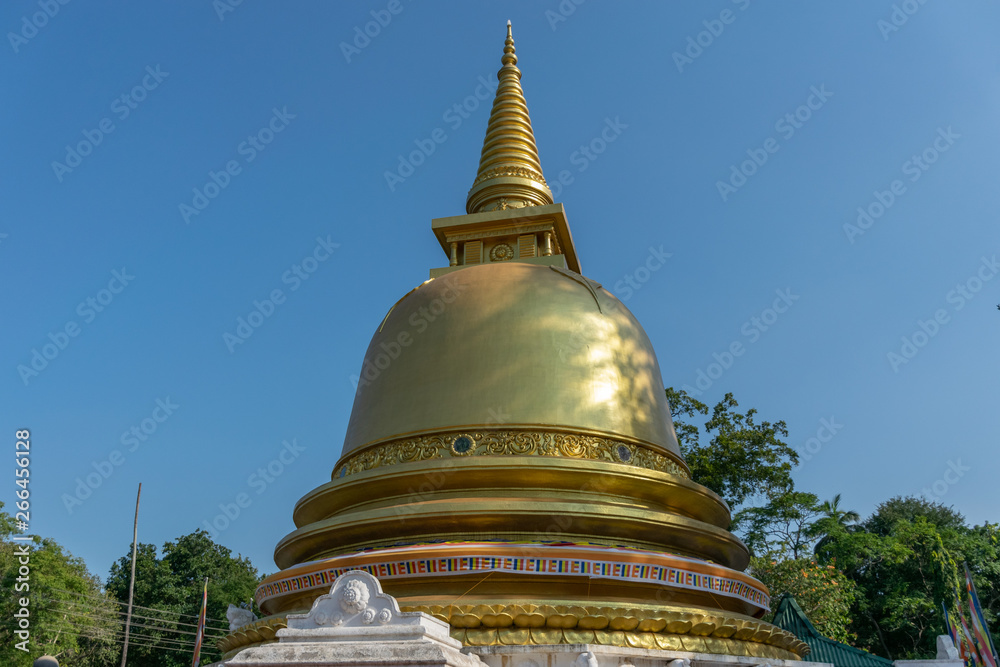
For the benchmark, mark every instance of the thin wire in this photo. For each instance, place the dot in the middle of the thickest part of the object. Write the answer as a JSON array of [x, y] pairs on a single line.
[[135, 606], [120, 632], [140, 625], [131, 643], [123, 604], [181, 644], [121, 612], [120, 635]]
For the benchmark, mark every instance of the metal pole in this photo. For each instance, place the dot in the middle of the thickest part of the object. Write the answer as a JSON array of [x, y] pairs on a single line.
[[131, 581]]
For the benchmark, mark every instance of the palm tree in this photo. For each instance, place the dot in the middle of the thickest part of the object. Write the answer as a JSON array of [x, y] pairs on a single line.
[[833, 520], [843, 518]]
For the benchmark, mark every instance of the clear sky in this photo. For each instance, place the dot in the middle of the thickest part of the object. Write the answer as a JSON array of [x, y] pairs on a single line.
[[165, 167]]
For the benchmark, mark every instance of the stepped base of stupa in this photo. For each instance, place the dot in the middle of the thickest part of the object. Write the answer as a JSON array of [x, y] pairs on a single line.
[[356, 623]]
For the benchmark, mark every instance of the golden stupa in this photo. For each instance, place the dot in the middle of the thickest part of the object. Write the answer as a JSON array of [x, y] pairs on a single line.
[[510, 465]]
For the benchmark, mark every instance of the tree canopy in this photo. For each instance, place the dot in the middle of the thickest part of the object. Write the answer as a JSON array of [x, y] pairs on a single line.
[[70, 617], [878, 584], [741, 457], [173, 583]]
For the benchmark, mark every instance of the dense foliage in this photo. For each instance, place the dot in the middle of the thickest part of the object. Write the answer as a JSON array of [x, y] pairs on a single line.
[[877, 584], [173, 584], [741, 457], [69, 616], [80, 622], [823, 592]]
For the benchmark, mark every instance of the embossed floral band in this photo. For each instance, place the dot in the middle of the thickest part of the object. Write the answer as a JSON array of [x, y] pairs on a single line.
[[508, 442]]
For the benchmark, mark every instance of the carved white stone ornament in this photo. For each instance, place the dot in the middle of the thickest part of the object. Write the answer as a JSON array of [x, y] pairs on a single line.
[[586, 659], [946, 648], [356, 623], [238, 617], [355, 600], [354, 597]]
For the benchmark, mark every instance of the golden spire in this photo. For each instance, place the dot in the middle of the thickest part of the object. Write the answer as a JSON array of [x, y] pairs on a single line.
[[510, 174]]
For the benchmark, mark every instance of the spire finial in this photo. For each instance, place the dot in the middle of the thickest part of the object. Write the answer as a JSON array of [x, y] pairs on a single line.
[[510, 174], [509, 58]]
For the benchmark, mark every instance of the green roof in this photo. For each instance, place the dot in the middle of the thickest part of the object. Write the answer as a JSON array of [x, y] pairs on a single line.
[[789, 616]]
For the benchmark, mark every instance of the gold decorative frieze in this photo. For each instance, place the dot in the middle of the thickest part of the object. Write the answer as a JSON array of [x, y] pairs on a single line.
[[522, 172], [254, 634], [664, 628], [507, 230], [508, 443]]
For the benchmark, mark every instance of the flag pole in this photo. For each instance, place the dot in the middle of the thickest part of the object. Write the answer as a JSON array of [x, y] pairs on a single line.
[[131, 579], [200, 633]]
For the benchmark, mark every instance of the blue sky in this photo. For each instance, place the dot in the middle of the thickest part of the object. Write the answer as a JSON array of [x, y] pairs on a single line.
[[747, 136]]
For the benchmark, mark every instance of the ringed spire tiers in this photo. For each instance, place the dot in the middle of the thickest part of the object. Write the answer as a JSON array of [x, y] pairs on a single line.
[[510, 173]]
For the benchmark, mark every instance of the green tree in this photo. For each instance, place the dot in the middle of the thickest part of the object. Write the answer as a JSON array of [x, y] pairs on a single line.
[[70, 618], [909, 508], [906, 559], [824, 593], [741, 457], [782, 527], [833, 521], [173, 584]]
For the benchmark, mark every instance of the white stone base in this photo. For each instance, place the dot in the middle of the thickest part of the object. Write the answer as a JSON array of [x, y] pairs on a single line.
[[357, 625], [591, 655]]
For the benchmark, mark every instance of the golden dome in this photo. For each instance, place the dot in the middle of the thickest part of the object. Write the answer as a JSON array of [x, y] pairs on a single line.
[[512, 344]]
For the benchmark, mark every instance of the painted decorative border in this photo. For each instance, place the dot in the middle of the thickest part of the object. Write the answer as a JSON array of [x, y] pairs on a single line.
[[600, 568], [508, 443]]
